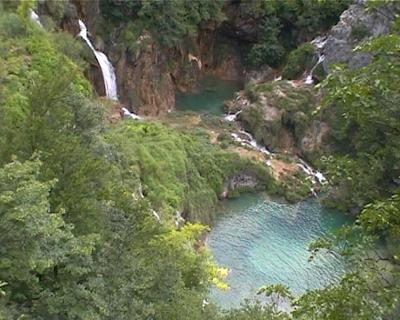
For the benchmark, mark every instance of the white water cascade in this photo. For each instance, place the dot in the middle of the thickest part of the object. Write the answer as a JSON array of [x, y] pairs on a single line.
[[314, 174], [250, 141], [129, 114], [34, 17], [232, 117], [319, 44], [106, 67]]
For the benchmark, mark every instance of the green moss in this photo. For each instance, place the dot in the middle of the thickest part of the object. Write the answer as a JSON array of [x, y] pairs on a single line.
[[294, 188], [178, 171]]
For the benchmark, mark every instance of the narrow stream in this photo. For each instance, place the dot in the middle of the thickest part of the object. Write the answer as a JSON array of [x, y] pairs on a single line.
[[263, 242]]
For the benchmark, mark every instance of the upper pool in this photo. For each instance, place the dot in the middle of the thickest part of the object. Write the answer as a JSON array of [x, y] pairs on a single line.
[[210, 96]]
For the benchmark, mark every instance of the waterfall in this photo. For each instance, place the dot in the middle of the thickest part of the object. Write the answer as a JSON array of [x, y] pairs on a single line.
[[156, 215], [106, 67], [129, 114], [319, 44], [232, 117], [309, 78], [34, 17], [314, 174], [249, 142]]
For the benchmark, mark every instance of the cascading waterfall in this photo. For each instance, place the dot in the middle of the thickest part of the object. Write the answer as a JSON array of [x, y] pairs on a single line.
[[319, 44], [106, 67], [315, 175], [232, 117], [250, 141], [34, 17], [129, 114], [309, 78]]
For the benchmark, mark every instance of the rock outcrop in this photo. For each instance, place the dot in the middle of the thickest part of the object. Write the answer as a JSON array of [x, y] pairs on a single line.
[[143, 79], [239, 182], [279, 115], [356, 24]]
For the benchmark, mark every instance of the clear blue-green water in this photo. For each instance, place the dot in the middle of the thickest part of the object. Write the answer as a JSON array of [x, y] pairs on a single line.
[[210, 96], [263, 242]]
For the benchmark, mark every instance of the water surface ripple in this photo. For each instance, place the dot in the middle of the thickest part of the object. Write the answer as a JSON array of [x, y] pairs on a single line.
[[263, 241]]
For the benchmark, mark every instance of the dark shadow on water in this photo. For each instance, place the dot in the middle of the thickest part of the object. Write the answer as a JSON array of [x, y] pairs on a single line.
[[210, 96]]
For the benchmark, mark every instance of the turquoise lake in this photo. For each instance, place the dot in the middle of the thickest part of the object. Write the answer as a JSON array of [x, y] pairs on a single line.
[[263, 241], [210, 96]]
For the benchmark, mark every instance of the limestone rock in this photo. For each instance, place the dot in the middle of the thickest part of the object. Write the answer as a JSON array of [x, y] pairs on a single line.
[[343, 38], [239, 181], [143, 80]]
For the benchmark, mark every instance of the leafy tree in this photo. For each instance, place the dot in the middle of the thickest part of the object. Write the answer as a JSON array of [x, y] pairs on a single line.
[[39, 255], [254, 311], [299, 60], [283, 25], [184, 17], [363, 111]]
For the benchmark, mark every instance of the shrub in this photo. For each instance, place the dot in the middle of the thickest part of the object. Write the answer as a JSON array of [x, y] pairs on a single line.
[[11, 25], [300, 60]]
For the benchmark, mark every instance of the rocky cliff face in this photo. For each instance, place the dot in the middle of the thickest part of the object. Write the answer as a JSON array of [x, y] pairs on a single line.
[[356, 24], [144, 81]]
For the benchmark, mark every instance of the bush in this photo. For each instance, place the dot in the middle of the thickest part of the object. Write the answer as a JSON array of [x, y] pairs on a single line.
[[178, 171], [299, 60], [11, 25]]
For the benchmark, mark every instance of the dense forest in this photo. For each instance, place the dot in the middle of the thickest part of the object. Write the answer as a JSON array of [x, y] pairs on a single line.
[[104, 217]]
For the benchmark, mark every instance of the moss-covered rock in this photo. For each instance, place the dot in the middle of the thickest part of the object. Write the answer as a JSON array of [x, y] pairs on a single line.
[[300, 60], [182, 172], [280, 114]]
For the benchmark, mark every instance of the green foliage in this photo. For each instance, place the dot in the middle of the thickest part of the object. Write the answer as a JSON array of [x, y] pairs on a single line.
[[255, 311], [79, 242], [67, 218], [289, 110], [10, 25], [184, 17], [352, 298], [268, 50], [283, 24], [299, 60], [178, 172], [383, 218], [370, 289], [56, 9], [24, 8], [38, 247], [363, 110], [280, 290]]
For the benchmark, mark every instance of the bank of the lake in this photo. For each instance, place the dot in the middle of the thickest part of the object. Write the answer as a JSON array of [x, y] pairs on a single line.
[[263, 241]]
